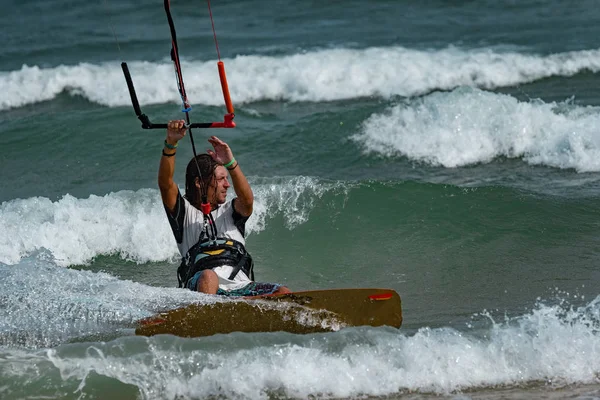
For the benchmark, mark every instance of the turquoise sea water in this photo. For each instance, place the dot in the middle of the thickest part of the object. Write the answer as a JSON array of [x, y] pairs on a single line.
[[448, 150]]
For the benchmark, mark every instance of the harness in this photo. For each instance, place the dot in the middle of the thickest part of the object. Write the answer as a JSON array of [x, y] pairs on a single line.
[[209, 254]]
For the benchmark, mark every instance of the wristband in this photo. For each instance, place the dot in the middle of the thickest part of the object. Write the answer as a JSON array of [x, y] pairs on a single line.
[[170, 146], [231, 169], [230, 163], [168, 155]]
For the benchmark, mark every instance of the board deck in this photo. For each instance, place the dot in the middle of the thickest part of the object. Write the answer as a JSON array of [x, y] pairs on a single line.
[[298, 312]]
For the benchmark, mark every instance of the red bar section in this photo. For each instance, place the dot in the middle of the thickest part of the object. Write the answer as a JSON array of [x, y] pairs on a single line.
[[225, 87], [227, 122]]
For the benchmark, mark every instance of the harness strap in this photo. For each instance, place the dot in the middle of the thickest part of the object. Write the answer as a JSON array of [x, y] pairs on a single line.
[[180, 272], [206, 255], [240, 266]]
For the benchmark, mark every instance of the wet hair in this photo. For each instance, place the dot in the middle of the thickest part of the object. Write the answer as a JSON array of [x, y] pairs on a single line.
[[207, 167]]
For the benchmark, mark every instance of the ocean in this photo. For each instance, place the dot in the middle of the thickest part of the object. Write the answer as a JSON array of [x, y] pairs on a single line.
[[449, 150]]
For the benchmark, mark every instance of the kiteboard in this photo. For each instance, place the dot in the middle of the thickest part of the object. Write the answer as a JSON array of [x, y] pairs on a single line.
[[297, 312]]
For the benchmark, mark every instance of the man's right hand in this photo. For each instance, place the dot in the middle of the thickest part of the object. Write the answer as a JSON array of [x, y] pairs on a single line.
[[175, 131]]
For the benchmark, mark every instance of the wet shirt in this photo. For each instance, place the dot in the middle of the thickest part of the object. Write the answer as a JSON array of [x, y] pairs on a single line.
[[187, 223]]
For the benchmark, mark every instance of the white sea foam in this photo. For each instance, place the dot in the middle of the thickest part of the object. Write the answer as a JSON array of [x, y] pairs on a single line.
[[76, 230], [469, 126], [130, 224], [558, 345], [44, 305], [313, 76]]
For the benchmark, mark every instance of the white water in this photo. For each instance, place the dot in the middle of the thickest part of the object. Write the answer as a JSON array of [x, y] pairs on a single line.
[[313, 76], [468, 126], [131, 224], [555, 344]]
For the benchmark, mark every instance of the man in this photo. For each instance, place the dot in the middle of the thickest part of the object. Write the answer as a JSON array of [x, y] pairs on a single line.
[[212, 243]]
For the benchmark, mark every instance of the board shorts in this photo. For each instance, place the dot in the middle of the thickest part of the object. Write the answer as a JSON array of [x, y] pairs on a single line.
[[251, 289]]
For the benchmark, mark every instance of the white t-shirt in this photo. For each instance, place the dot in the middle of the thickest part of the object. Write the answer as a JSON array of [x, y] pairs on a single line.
[[187, 222]]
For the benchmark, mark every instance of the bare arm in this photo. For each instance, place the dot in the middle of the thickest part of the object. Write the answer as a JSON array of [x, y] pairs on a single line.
[[245, 197], [168, 189], [222, 154]]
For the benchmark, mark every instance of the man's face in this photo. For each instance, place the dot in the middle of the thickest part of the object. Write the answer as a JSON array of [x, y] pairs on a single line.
[[217, 191]]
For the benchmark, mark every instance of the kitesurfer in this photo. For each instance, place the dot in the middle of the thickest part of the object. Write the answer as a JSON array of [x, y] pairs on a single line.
[[215, 261]]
